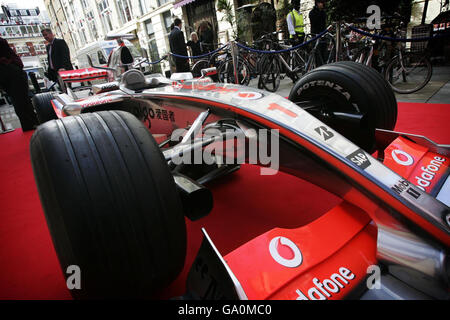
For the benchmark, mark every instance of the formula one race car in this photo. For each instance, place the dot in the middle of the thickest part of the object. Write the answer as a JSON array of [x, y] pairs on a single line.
[[120, 171]]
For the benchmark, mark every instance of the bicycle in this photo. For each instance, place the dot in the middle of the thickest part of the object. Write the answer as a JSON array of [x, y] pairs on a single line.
[[291, 63], [406, 71]]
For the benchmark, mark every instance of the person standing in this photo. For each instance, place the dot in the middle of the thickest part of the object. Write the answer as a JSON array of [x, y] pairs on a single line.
[[178, 46], [194, 44], [295, 23], [15, 82], [206, 37], [58, 55], [318, 19]]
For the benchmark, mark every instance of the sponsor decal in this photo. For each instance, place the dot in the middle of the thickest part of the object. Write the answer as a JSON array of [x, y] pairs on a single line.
[[96, 102], [292, 254], [324, 132], [326, 288], [203, 87], [324, 83], [359, 158], [402, 158], [247, 95], [403, 185], [427, 173], [413, 193], [275, 106]]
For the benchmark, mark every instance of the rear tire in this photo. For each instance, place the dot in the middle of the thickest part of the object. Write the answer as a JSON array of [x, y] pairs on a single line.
[[43, 106], [349, 97], [111, 204]]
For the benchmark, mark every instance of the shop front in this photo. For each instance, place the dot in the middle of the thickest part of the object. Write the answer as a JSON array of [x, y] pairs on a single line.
[[200, 16]]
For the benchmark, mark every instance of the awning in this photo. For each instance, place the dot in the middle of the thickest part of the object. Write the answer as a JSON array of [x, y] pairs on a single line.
[[180, 3]]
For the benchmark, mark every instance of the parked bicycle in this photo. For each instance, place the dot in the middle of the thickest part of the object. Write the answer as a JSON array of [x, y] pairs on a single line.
[[406, 71]]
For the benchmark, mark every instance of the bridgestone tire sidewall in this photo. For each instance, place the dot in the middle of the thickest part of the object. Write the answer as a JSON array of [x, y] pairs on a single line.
[[348, 87]]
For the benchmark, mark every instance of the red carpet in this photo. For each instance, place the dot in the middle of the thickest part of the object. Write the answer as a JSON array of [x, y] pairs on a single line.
[[29, 268]]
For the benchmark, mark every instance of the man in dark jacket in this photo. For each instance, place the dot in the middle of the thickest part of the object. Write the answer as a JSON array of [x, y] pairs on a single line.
[[15, 82], [178, 46], [58, 54], [318, 19]]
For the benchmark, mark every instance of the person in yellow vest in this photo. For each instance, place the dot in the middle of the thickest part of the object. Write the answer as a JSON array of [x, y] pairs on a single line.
[[295, 24]]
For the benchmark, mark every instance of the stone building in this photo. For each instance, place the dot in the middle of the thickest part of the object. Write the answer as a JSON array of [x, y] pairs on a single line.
[[21, 27]]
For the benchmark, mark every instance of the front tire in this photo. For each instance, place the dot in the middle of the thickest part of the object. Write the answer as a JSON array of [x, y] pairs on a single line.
[[111, 204], [42, 103], [351, 98]]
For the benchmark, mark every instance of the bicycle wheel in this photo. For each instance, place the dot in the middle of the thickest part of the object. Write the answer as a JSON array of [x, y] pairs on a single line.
[[198, 66], [299, 58], [226, 72], [409, 74], [270, 73]]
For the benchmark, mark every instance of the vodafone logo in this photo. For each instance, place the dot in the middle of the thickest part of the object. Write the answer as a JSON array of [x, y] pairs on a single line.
[[402, 158], [285, 252], [248, 95]]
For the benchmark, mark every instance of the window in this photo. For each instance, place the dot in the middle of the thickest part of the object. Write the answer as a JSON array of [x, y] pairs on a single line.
[[143, 6], [22, 49], [101, 57], [125, 10], [167, 18], [83, 37], [105, 13], [152, 47], [161, 2], [92, 25], [84, 4]]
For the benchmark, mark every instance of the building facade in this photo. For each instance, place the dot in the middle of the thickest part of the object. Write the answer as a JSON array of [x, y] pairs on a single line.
[[22, 29], [82, 22]]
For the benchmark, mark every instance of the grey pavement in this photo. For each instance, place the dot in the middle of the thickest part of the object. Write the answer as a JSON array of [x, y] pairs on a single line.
[[436, 91]]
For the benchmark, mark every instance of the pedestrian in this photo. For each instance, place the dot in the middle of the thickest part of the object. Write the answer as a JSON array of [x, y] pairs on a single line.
[[15, 82], [318, 19], [178, 46], [58, 55], [295, 23], [194, 44], [206, 37]]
